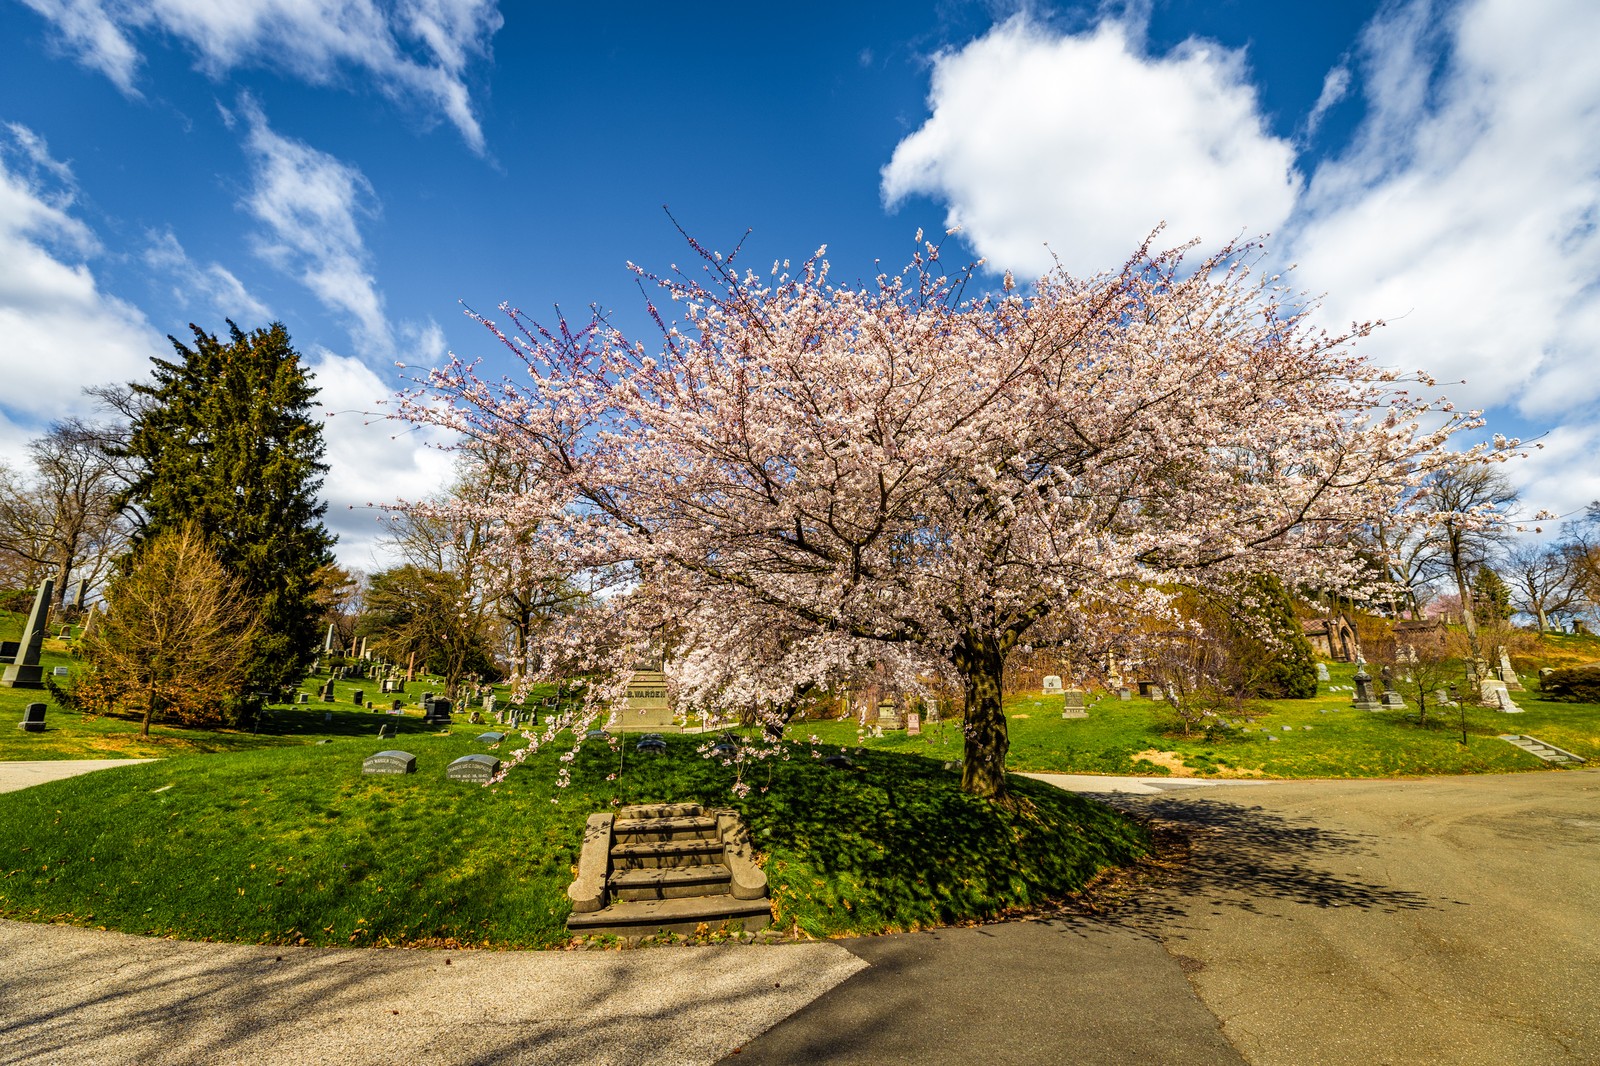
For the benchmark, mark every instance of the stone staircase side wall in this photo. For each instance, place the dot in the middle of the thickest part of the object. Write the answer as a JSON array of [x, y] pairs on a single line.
[[588, 891], [749, 880]]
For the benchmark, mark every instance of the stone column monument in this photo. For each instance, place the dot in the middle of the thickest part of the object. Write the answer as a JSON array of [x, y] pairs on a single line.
[[25, 671]]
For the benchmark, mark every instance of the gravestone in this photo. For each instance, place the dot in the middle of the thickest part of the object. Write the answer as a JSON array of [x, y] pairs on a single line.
[[326, 694], [75, 598], [889, 716], [473, 769], [933, 711], [301, 697], [1322, 672], [1075, 703], [358, 696], [1365, 699], [1508, 673], [491, 737], [1440, 697], [1124, 694], [488, 704], [648, 709], [436, 711], [1052, 685], [327, 642], [25, 671], [389, 762], [913, 724], [652, 743], [60, 671], [1157, 693], [32, 718], [1393, 700], [1492, 693]]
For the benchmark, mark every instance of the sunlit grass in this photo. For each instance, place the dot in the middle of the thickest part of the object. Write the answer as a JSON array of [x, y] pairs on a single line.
[[295, 844], [1321, 737]]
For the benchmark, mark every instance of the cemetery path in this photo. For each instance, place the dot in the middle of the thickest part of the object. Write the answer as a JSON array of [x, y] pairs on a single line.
[[1438, 920], [80, 996], [1443, 920], [16, 773], [1429, 921]]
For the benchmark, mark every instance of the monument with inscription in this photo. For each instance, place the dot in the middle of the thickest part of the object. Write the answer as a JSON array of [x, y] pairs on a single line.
[[473, 769], [648, 710], [390, 762]]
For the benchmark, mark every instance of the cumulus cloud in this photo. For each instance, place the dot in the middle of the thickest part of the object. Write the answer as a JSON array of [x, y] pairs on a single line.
[[311, 204], [414, 50], [368, 455], [60, 330], [212, 285], [1086, 142], [1466, 210]]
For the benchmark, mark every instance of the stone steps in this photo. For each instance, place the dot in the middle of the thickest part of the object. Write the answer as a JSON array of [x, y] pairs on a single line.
[[653, 854], [640, 830], [686, 916], [1548, 752], [672, 882], [667, 867]]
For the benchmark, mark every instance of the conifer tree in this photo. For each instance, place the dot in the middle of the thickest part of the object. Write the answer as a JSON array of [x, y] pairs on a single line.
[[223, 439]]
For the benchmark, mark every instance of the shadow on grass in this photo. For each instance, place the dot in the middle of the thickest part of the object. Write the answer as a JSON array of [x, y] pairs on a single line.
[[892, 842]]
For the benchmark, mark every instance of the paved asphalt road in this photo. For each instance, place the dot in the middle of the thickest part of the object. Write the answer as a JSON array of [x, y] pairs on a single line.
[[1444, 921]]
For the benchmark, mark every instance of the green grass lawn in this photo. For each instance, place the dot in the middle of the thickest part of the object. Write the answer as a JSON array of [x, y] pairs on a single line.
[[295, 844], [1324, 738]]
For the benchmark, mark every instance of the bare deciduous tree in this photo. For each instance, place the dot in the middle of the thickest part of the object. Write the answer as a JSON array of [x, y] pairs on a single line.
[[176, 635]]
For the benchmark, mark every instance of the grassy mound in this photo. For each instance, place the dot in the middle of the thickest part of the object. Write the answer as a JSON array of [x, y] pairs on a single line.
[[296, 845]]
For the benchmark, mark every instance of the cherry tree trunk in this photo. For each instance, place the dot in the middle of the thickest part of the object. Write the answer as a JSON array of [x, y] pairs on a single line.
[[983, 772]]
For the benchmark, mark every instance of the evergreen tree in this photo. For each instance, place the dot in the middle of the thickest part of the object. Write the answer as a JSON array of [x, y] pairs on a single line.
[[1491, 595], [223, 439], [1271, 635]]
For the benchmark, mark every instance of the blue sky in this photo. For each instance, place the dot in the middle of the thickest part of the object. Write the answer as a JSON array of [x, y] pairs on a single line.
[[359, 169]]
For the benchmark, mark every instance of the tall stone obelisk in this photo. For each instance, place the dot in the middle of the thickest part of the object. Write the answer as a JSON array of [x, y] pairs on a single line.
[[25, 671]]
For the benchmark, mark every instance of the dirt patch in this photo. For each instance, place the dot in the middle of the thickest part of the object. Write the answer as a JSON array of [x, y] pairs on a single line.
[[1169, 759]]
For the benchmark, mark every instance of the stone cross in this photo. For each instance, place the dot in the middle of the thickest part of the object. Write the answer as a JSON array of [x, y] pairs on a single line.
[[25, 671]]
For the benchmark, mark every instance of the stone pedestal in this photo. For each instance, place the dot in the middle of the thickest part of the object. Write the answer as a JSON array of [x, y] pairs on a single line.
[[1366, 697], [1493, 695]]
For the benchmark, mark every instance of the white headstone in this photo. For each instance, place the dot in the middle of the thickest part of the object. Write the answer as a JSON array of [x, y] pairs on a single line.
[[1052, 685]]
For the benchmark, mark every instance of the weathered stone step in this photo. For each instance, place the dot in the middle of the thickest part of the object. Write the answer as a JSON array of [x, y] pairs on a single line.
[[1542, 750], [652, 854], [643, 917], [671, 882], [658, 810], [692, 827]]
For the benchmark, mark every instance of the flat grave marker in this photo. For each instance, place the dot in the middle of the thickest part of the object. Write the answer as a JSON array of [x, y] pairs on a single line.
[[473, 769], [390, 762]]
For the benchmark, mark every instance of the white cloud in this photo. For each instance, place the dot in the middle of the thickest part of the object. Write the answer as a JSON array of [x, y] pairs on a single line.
[[368, 456], [412, 49], [214, 285], [58, 330], [1466, 210], [310, 203], [1086, 143], [92, 34], [1335, 87]]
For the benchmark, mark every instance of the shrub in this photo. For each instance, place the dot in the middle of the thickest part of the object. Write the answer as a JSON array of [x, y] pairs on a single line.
[[1575, 684]]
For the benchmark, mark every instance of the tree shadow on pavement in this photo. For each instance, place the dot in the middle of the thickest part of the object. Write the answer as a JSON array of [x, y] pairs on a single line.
[[1214, 855]]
